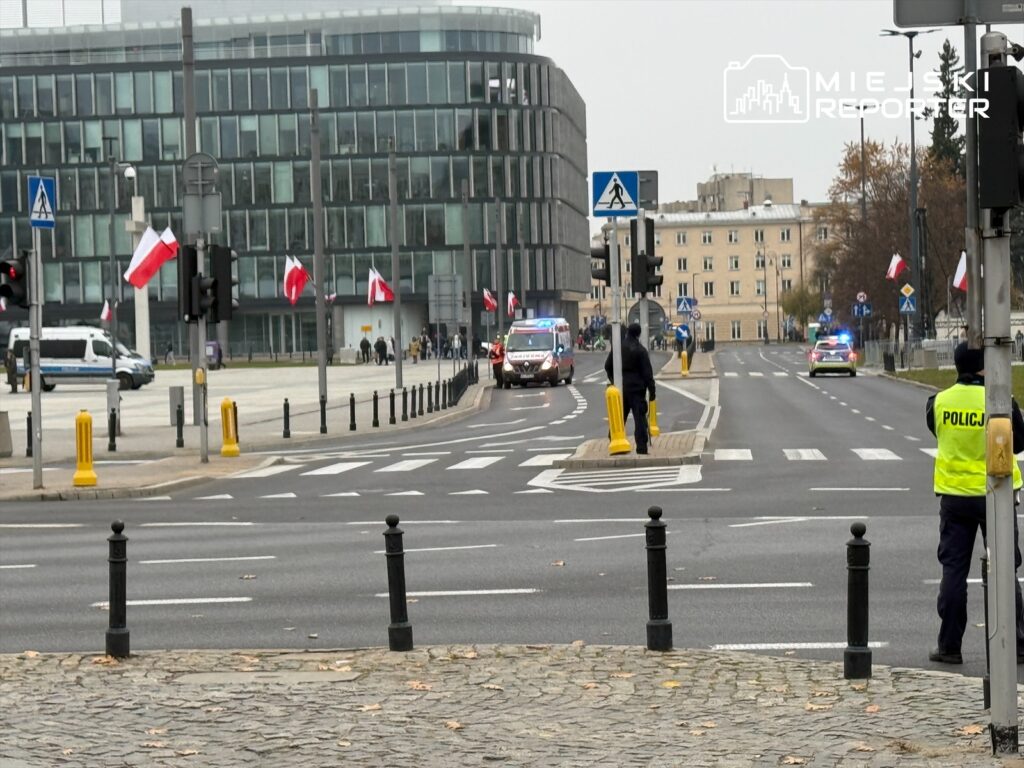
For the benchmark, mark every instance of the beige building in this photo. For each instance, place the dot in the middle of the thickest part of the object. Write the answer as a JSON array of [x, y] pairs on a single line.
[[738, 264], [734, 192]]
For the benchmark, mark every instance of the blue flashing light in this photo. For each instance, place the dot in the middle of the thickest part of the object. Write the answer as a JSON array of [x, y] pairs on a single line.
[[844, 337]]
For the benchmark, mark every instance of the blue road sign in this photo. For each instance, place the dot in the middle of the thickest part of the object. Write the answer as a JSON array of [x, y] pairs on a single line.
[[866, 310], [682, 332], [615, 193], [685, 305], [862, 310], [908, 305], [823, 318], [42, 202]]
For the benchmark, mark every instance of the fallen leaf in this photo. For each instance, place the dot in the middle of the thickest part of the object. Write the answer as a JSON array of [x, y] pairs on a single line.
[[671, 684], [810, 707], [709, 724], [696, 732], [370, 707], [106, 661], [819, 694], [559, 563], [416, 685], [863, 748], [623, 675], [154, 744], [453, 725], [67, 751], [859, 687], [589, 686], [186, 752], [492, 687], [247, 577], [794, 760], [155, 731], [344, 743], [971, 730], [30, 654], [872, 708], [678, 664]]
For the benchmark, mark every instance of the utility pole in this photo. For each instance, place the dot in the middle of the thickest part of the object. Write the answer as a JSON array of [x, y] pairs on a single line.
[[396, 274], [615, 269], [188, 66], [470, 282], [318, 249], [497, 266]]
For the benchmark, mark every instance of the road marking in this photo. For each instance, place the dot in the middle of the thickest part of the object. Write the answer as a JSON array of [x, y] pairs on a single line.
[[848, 489], [275, 469], [536, 490], [215, 497], [123, 461], [13, 567], [760, 585], [621, 536], [179, 601], [731, 374], [803, 454], [337, 469], [780, 520], [544, 459], [912, 438], [886, 426], [733, 454], [442, 549], [405, 493], [207, 559], [876, 454], [530, 407], [182, 525], [474, 492], [478, 462], [854, 410], [288, 495], [466, 592], [496, 424], [933, 452], [407, 522], [869, 418], [756, 374], [532, 394], [154, 498], [779, 373], [789, 646], [406, 466], [40, 525], [842, 403], [429, 453], [343, 493], [559, 421], [969, 581], [601, 520], [500, 450], [23, 470]]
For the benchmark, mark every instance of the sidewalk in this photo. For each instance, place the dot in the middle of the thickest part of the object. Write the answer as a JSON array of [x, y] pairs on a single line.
[[510, 705]]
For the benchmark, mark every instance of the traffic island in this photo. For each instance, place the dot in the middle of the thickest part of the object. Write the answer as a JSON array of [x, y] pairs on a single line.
[[670, 449]]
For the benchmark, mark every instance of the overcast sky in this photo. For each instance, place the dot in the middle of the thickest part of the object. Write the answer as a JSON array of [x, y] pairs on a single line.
[[652, 75]]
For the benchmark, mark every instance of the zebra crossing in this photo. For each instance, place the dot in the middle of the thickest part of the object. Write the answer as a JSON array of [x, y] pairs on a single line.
[[762, 374], [813, 454]]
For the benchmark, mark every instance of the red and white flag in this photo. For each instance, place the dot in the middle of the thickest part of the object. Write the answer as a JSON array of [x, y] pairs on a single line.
[[105, 313], [153, 252], [960, 278], [513, 302], [378, 289], [896, 266], [3, 304], [295, 278], [490, 303]]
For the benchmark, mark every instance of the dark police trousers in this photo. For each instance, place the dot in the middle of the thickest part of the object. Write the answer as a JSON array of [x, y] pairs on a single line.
[[960, 517], [636, 402]]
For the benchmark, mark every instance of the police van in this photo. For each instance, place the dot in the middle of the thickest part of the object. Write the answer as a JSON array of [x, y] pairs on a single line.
[[79, 355], [538, 350]]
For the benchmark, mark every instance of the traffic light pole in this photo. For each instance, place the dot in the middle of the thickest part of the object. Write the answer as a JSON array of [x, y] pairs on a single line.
[[614, 269], [318, 249], [35, 317], [199, 382], [641, 248]]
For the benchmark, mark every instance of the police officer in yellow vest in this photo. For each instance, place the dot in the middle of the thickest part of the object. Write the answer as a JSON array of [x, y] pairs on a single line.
[[956, 416]]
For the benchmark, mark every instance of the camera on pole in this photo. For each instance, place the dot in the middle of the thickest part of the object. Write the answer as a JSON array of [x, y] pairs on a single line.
[[14, 278], [1000, 148]]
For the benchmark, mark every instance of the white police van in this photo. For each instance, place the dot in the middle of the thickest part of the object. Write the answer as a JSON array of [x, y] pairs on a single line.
[[79, 354]]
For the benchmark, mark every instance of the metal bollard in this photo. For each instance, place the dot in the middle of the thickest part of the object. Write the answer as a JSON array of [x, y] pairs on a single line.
[[112, 431], [437, 395], [323, 414], [28, 435], [857, 656], [986, 690], [391, 407], [399, 630], [84, 474], [117, 627], [405, 403], [376, 421], [430, 398], [179, 426], [351, 412], [287, 431], [421, 400], [234, 414], [443, 400], [412, 410], [617, 442], [659, 628]]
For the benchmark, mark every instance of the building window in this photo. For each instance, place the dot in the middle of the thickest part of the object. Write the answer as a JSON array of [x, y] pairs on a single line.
[[734, 235], [705, 237], [759, 288], [682, 289], [628, 264], [709, 289], [681, 265], [680, 238], [758, 235], [734, 287], [656, 292], [735, 330], [823, 233], [785, 235], [709, 263], [787, 285], [734, 263], [762, 329], [785, 261], [627, 241], [759, 261]]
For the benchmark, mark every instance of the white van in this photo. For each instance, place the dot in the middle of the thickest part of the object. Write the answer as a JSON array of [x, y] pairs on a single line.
[[79, 354], [538, 350]]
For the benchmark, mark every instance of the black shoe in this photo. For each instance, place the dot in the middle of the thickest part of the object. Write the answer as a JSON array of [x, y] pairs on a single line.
[[946, 657], [642, 451]]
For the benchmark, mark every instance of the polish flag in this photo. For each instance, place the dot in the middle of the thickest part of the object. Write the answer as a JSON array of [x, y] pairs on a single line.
[[105, 313], [896, 267], [513, 302], [295, 278], [378, 289], [3, 304], [153, 252], [960, 278], [490, 303]]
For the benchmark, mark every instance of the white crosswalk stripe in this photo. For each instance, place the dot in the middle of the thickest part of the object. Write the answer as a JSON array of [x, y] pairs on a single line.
[[756, 374], [780, 373], [731, 374], [544, 459], [933, 452], [733, 454], [406, 466], [477, 462], [876, 454], [803, 454], [275, 469], [337, 469]]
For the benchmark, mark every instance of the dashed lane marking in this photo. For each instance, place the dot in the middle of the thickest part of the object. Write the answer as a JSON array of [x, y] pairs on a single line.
[[466, 592], [338, 468], [876, 454], [733, 454], [789, 646], [179, 601], [207, 560], [761, 585]]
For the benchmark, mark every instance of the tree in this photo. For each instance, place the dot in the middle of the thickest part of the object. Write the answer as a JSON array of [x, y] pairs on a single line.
[[947, 142], [802, 303]]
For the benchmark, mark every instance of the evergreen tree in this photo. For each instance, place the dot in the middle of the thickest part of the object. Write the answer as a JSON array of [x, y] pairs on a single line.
[[947, 141]]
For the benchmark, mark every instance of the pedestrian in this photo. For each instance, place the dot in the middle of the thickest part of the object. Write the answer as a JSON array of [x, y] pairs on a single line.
[[381, 348], [1019, 341], [364, 349], [414, 349], [457, 346], [430, 348], [497, 358], [956, 416], [391, 348], [637, 383], [11, 365]]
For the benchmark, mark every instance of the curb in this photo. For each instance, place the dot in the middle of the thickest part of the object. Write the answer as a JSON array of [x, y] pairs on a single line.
[[627, 462]]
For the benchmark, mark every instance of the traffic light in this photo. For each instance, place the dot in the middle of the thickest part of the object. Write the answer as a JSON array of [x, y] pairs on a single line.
[[602, 273], [643, 263], [14, 278], [222, 258], [204, 296], [1000, 152], [187, 267]]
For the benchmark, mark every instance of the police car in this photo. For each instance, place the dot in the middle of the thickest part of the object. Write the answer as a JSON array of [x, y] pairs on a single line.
[[832, 355]]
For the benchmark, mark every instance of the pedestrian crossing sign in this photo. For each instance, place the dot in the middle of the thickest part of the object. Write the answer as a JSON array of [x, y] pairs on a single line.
[[908, 305], [615, 193], [42, 202]]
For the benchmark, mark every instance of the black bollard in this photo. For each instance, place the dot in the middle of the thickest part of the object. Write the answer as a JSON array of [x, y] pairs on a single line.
[[451, 393], [28, 434], [659, 628], [234, 415], [287, 431], [179, 427], [443, 400], [412, 410], [352, 412], [112, 431], [430, 398], [857, 656], [986, 691], [437, 395], [117, 629], [391, 407], [376, 421], [421, 400], [399, 630], [323, 414], [405, 403]]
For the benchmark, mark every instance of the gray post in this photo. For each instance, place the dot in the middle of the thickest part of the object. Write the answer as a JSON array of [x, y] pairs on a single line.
[[524, 261], [616, 305], [35, 312], [197, 353], [496, 267], [915, 255], [118, 637], [199, 381], [319, 271], [399, 630], [469, 285], [396, 274], [972, 240], [112, 161], [641, 247]]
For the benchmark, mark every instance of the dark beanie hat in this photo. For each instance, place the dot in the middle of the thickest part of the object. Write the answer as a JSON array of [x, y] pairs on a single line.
[[634, 330], [968, 360]]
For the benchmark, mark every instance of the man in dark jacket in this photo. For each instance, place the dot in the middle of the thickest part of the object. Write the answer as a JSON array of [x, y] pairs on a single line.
[[637, 383], [364, 349], [956, 417]]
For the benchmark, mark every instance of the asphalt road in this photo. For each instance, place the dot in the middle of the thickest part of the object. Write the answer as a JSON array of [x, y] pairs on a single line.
[[501, 547]]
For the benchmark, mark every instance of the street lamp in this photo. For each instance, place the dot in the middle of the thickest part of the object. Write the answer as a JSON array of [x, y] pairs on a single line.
[[915, 256], [129, 173], [778, 317]]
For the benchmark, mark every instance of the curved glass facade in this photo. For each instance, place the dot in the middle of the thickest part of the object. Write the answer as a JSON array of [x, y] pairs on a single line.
[[463, 103]]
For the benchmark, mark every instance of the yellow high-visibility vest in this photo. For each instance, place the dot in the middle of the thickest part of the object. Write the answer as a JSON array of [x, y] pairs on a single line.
[[960, 468]]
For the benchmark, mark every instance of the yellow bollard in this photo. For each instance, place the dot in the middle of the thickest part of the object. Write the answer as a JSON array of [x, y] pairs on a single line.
[[229, 430], [84, 474], [684, 363], [652, 418], [616, 423]]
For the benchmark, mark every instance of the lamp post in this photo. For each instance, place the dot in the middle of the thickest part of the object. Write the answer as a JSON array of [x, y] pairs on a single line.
[[863, 170], [778, 317], [129, 172], [764, 283]]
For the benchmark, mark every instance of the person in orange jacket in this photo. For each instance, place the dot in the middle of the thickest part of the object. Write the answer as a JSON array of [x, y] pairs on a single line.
[[497, 358]]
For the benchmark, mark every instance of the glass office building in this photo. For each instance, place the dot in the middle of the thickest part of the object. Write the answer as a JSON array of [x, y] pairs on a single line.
[[458, 88]]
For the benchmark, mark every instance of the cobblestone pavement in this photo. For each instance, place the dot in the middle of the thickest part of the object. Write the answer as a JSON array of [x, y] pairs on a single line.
[[509, 705]]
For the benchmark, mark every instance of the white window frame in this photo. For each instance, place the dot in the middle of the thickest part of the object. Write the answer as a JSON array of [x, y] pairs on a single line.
[[786, 261], [736, 330], [734, 287], [680, 238], [708, 264], [734, 235], [734, 263], [758, 235], [681, 265], [705, 237], [709, 289], [759, 286], [785, 235]]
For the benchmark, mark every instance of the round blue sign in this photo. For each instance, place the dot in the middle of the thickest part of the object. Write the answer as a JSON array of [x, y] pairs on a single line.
[[682, 332]]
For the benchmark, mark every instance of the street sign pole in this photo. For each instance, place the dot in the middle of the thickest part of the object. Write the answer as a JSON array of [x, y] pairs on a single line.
[[35, 314], [641, 248], [616, 306], [319, 266], [199, 382]]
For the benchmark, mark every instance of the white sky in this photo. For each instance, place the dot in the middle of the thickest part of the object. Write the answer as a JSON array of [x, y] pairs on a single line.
[[651, 73]]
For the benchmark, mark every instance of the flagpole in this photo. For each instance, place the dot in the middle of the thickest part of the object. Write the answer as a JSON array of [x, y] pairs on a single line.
[[396, 274]]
